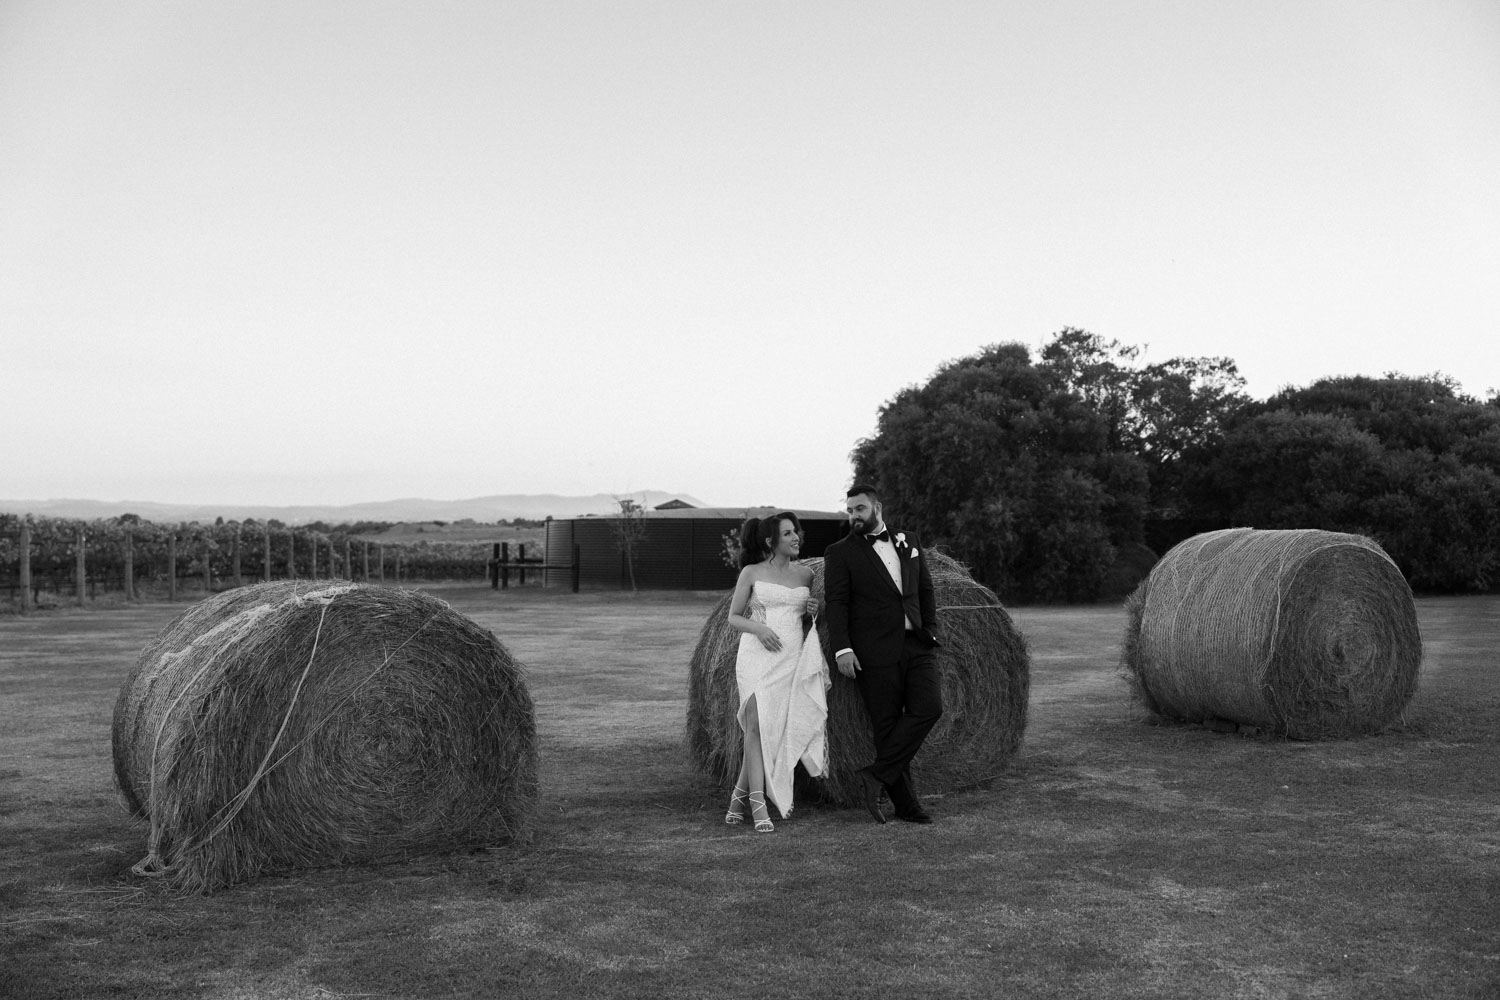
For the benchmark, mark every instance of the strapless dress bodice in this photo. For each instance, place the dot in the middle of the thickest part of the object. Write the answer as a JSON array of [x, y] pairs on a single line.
[[773, 603]]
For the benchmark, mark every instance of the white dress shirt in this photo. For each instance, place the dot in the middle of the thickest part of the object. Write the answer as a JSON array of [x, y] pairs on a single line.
[[886, 550]]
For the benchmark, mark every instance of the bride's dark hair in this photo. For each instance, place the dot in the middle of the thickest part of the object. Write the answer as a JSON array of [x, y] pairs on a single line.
[[758, 536]]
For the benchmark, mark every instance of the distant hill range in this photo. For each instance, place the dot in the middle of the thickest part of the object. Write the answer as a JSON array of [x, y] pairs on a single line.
[[483, 509]]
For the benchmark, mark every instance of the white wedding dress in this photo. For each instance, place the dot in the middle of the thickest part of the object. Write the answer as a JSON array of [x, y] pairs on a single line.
[[790, 688]]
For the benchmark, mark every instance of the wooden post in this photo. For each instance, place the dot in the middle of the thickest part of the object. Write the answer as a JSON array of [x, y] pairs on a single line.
[[495, 567], [577, 561], [25, 545], [348, 565], [313, 541], [291, 553], [521, 558], [81, 572], [366, 544], [129, 565], [172, 567], [505, 565], [239, 581], [268, 554], [380, 555]]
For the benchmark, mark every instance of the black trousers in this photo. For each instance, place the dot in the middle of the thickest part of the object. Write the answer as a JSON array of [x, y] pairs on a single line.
[[904, 700]]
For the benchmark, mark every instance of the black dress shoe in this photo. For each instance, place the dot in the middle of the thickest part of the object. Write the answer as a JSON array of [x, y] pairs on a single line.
[[871, 787], [905, 802]]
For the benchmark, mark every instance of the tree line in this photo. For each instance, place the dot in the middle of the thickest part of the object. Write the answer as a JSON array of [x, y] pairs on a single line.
[[1042, 473]]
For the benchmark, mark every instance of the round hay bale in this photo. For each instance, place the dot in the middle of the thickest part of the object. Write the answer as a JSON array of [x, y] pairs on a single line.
[[294, 725], [986, 680], [1309, 634]]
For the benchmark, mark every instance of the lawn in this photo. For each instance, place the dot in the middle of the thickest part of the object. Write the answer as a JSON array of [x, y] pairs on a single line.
[[1113, 859]]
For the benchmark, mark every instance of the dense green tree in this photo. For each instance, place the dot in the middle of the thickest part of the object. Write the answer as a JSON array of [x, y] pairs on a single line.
[[1005, 466], [1405, 413], [1034, 472], [1292, 470], [1157, 413], [1411, 462], [1440, 520]]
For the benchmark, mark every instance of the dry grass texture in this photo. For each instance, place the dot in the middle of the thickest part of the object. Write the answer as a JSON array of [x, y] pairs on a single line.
[[986, 678], [1310, 634], [293, 725]]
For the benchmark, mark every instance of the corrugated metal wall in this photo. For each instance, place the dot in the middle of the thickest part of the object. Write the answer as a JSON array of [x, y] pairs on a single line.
[[676, 553], [603, 565], [664, 559], [708, 569], [557, 548]]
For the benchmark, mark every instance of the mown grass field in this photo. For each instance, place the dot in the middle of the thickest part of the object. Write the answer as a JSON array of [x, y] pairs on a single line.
[[1113, 859]]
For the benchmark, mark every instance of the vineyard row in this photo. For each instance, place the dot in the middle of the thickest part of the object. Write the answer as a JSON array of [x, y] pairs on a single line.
[[40, 557]]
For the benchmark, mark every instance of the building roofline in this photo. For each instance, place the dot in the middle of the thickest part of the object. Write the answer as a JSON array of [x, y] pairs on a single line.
[[736, 514]]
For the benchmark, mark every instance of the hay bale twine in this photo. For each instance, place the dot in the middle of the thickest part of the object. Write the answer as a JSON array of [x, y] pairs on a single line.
[[301, 724], [1310, 634], [986, 680]]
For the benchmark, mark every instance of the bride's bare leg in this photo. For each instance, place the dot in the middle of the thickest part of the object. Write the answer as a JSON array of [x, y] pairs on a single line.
[[752, 776], [739, 799], [753, 769]]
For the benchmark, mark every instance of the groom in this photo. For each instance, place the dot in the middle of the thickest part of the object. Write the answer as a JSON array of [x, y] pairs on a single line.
[[881, 611]]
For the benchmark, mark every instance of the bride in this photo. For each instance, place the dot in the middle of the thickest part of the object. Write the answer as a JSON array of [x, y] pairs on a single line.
[[783, 679]]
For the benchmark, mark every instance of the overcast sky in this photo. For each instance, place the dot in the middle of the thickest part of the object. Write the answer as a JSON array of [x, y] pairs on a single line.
[[317, 252]]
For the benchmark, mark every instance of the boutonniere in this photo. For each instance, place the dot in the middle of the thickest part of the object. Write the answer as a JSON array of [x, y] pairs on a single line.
[[900, 538]]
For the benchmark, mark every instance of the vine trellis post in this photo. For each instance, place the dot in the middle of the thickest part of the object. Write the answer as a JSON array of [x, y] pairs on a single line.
[[25, 546], [208, 568], [129, 565], [81, 571], [239, 581]]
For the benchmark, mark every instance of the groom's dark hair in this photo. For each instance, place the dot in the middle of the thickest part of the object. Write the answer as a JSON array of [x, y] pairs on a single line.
[[864, 488]]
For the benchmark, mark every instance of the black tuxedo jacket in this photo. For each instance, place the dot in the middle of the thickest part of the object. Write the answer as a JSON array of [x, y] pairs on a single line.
[[865, 611]]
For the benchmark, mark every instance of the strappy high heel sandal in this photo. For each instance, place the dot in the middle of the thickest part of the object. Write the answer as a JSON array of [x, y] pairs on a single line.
[[735, 814], [761, 825]]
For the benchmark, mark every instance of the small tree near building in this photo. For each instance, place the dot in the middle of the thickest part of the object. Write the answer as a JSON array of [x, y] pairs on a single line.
[[629, 530]]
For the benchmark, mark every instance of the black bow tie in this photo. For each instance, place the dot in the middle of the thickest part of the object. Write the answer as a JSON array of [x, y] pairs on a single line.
[[883, 536]]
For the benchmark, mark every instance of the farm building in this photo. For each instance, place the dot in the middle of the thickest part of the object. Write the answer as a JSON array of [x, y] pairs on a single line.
[[682, 548]]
